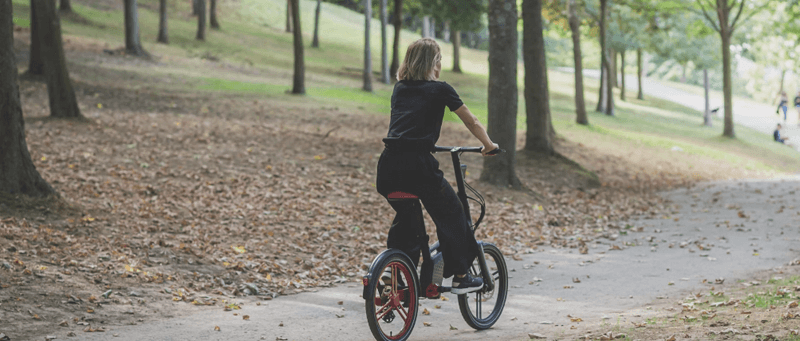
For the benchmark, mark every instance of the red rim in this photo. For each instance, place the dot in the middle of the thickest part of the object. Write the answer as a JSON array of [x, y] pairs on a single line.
[[394, 301]]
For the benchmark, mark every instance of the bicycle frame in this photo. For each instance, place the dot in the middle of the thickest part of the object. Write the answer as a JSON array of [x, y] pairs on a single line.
[[455, 154]]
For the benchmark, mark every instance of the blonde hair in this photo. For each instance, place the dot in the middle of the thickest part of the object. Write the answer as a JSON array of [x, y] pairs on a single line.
[[420, 61]]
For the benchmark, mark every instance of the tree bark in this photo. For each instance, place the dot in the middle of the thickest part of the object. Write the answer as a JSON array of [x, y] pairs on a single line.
[[367, 49], [299, 86], [537, 96], [201, 21], [609, 90], [601, 97], [614, 74], [289, 16], [683, 72], [723, 12], [502, 92], [64, 6], [384, 47], [707, 112], [398, 23], [639, 73], [574, 26], [61, 95], [195, 7], [622, 75], [315, 41], [213, 11], [163, 37], [35, 62], [727, 84], [457, 52], [18, 175], [133, 45]]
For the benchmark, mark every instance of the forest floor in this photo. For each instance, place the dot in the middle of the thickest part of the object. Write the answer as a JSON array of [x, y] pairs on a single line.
[[176, 201]]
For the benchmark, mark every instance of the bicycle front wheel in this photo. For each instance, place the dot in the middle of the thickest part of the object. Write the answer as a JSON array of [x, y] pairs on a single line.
[[392, 309], [482, 309]]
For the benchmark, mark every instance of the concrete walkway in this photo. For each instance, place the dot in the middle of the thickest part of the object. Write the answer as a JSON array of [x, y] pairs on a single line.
[[704, 238]]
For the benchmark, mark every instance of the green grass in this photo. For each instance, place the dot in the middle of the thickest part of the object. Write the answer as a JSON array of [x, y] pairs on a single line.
[[252, 40]]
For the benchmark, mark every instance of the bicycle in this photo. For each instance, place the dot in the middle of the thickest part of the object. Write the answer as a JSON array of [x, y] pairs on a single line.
[[393, 285]]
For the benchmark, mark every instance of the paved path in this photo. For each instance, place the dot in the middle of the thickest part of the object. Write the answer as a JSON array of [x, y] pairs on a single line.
[[749, 113], [616, 285]]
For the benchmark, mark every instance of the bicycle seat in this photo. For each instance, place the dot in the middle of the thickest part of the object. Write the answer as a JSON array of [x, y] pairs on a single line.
[[401, 195]]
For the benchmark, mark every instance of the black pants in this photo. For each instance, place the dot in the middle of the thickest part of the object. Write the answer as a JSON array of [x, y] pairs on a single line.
[[419, 174]]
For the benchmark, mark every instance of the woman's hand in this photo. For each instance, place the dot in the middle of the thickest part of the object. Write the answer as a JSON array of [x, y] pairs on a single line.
[[485, 149]]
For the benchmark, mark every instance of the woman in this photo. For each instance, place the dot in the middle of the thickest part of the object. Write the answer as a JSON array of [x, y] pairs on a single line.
[[406, 164], [783, 105]]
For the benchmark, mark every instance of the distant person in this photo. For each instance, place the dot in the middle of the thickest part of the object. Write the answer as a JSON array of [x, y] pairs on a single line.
[[784, 101], [797, 106], [777, 135]]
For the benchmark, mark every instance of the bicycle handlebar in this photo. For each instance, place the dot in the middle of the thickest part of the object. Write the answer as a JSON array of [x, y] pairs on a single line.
[[437, 149]]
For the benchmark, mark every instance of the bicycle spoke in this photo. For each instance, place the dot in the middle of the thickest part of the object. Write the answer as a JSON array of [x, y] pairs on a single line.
[[394, 279], [402, 312]]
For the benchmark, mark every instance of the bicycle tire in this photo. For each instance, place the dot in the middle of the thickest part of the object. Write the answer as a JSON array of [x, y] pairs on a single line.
[[497, 265], [401, 300]]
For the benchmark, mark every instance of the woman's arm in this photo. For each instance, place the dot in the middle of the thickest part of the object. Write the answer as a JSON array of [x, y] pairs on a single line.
[[476, 128]]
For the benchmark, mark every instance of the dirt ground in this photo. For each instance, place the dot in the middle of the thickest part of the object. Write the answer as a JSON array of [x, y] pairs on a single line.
[[172, 201]]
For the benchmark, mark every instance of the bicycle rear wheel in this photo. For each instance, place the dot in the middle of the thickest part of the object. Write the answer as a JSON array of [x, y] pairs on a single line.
[[392, 309], [482, 309]]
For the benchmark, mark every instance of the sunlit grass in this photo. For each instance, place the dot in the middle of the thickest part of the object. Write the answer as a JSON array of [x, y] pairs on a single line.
[[259, 53]]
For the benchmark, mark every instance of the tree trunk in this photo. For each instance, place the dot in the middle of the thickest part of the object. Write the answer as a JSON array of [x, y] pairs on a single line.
[[609, 89], [384, 47], [683, 70], [63, 103], [64, 6], [426, 26], [195, 7], [35, 62], [457, 51], [726, 83], [537, 96], [707, 112], [299, 86], [398, 25], [432, 33], [622, 75], [503, 98], [367, 49], [601, 97], [315, 41], [639, 73], [162, 22], [18, 175], [213, 11], [201, 21], [289, 15], [574, 26], [133, 45], [446, 32], [614, 74], [783, 79]]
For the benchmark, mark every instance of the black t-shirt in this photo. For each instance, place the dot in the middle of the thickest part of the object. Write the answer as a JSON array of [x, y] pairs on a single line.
[[417, 113]]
